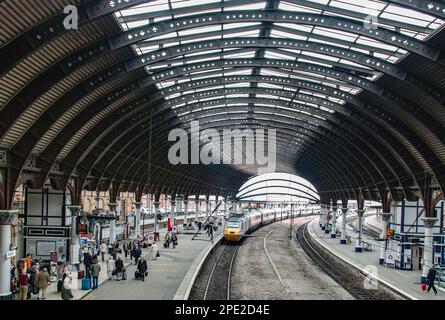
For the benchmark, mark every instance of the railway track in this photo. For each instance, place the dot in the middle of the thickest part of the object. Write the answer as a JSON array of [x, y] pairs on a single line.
[[214, 280], [353, 284]]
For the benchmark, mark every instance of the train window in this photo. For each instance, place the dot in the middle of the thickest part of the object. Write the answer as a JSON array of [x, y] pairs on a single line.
[[233, 224]]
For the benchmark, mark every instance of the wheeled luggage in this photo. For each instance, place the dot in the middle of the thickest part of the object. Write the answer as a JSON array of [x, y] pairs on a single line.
[[86, 284], [124, 275], [137, 275], [81, 274], [59, 285]]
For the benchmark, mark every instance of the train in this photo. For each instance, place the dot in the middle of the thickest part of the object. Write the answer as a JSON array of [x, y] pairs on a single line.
[[238, 225]]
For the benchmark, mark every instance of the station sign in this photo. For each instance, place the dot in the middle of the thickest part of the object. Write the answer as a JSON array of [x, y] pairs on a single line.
[[390, 257], [11, 254], [82, 229], [150, 237]]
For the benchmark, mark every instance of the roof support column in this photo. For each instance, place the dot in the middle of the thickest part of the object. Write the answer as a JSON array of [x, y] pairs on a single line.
[[137, 206], [360, 212], [112, 232], [207, 205], [334, 218], [75, 239], [156, 210], [385, 216], [197, 207], [5, 243], [171, 214], [186, 202], [429, 220], [97, 199]]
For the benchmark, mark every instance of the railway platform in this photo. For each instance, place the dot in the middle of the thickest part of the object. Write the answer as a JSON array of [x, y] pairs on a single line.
[[405, 282], [169, 277], [171, 273]]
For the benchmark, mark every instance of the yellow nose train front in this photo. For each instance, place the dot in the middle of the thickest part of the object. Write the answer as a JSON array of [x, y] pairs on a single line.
[[232, 234]]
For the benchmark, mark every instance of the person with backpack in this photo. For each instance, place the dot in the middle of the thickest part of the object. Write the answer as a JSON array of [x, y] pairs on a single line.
[[95, 272], [431, 277], [43, 282]]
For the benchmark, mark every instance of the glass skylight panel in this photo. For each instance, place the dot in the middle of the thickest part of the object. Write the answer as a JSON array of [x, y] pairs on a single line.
[[315, 62], [253, 6], [198, 30], [319, 55], [188, 3], [360, 6], [336, 34], [275, 55], [149, 7], [270, 85], [287, 6], [283, 34], [237, 85], [411, 23]]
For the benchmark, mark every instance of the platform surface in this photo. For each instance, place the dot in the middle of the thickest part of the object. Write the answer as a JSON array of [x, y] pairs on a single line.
[[406, 281], [165, 274]]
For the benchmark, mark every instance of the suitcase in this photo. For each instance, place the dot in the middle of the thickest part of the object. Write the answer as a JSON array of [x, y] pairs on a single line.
[[59, 285], [124, 275], [81, 274], [137, 275], [86, 284]]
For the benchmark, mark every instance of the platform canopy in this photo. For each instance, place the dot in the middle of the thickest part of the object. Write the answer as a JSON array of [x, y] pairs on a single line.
[[354, 88]]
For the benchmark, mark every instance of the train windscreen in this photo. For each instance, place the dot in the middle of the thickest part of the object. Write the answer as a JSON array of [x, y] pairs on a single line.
[[232, 224]]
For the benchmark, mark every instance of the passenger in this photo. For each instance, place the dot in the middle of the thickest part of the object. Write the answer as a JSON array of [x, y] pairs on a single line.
[[154, 251], [130, 249], [142, 268], [95, 272], [14, 288], [174, 240], [65, 292], [199, 225], [32, 280], [28, 260], [88, 262], [119, 268], [23, 285], [43, 282], [61, 264], [137, 253], [431, 277], [125, 248], [110, 267], [167, 240], [103, 250]]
